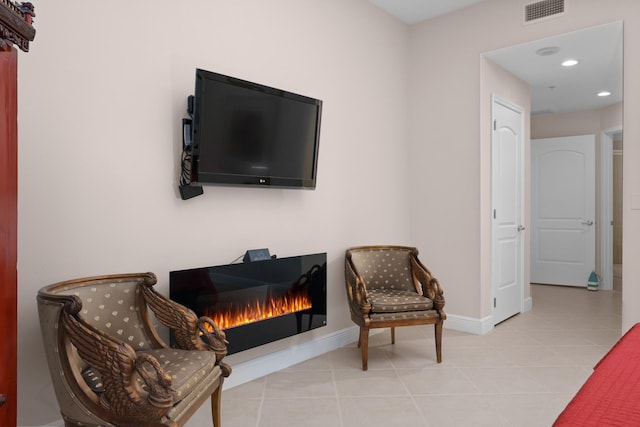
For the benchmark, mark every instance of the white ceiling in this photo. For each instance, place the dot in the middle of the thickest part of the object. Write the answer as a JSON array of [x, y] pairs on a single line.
[[554, 89], [414, 11], [557, 89]]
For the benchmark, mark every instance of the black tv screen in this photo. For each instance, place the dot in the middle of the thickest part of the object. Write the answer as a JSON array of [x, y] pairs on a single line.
[[246, 133]]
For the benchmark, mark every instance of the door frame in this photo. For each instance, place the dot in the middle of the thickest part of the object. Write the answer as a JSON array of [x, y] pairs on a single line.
[[495, 99], [606, 207]]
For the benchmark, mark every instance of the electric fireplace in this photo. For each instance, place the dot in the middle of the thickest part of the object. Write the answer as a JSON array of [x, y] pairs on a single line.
[[257, 302]]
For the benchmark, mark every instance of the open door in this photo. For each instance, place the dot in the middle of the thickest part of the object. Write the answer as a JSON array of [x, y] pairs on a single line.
[[563, 244]]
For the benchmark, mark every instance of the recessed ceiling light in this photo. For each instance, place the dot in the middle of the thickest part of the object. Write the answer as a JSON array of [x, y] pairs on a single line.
[[570, 63], [604, 93]]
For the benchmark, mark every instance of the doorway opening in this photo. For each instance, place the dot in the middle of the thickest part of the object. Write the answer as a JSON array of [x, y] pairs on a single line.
[[611, 226]]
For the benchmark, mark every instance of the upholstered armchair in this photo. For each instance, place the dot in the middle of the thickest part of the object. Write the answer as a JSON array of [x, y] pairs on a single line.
[[387, 286], [110, 367]]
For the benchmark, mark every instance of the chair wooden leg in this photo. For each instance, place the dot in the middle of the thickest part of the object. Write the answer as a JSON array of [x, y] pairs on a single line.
[[438, 332], [360, 338], [364, 341], [216, 398], [393, 335]]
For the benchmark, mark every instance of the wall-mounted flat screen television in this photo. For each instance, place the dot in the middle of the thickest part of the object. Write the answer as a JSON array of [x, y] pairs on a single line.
[[246, 133]]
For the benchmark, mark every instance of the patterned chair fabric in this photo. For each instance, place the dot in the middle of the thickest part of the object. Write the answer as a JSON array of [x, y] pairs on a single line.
[[112, 308], [110, 367], [392, 301], [385, 269], [388, 286]]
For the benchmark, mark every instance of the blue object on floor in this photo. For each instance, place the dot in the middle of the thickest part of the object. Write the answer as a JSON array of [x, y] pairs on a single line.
[[594, 283]]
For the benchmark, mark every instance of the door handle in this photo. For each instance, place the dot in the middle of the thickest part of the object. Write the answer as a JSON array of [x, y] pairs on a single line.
[[3, 399], [521, 228], [587, 222]]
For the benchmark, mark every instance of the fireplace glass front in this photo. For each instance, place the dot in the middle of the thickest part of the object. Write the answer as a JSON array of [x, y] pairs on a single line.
[[257, 302]]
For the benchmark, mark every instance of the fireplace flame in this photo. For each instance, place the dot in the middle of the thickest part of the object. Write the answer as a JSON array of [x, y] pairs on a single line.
[[254, 311]]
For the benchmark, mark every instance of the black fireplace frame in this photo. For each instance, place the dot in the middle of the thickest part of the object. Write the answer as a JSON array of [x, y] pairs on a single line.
[[211, 288]]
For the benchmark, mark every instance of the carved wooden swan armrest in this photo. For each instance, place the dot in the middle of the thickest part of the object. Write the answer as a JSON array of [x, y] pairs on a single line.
[[109, 365]]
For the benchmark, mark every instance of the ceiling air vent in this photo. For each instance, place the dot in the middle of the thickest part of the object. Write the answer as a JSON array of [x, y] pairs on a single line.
[[543, 9]]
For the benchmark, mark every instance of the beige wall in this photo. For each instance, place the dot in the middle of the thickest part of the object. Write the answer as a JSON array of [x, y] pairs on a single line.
[[451, 186], [102, 95], [577, 123], [402, 155]]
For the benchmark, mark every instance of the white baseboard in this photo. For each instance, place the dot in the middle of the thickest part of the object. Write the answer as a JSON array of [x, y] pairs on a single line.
[[475, 326], [261, 366], [469, 324]]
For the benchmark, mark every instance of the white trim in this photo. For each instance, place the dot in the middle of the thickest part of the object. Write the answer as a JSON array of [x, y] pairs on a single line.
[[256, 368], [606, 208], [475, 326], [469, 324]]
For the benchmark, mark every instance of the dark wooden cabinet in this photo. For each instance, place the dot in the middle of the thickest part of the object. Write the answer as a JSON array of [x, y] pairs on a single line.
[[8, 234], [15, 31]]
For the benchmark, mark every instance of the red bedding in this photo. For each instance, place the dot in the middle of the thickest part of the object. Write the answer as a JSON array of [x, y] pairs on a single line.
[[611, 395]]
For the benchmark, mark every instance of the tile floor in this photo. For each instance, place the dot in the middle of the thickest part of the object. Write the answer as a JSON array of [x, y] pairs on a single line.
[[521, 374]]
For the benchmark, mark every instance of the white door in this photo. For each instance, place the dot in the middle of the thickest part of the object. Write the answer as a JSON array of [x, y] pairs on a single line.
[[506, 199], [563, 239]]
